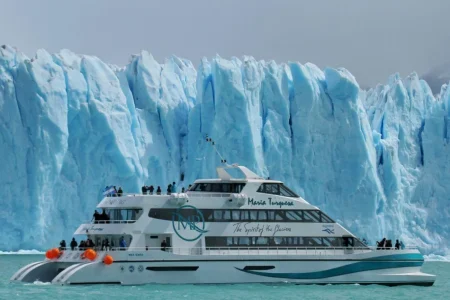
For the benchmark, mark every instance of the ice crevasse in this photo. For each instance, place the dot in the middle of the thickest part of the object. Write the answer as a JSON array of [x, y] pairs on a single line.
[[377, 161]]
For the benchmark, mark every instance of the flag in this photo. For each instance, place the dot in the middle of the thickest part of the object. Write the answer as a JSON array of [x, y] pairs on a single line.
[[108, 190]]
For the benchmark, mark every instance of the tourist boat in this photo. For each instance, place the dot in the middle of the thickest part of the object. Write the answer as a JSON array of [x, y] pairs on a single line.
[[226, 230]]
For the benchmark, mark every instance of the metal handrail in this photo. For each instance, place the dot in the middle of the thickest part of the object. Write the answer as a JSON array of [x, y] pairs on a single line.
[[110, 222]]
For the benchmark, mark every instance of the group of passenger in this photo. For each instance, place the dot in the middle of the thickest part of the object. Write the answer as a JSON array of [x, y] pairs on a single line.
[[100, 217], [150, 189], [171, 188], [85, 244], [387, 244]]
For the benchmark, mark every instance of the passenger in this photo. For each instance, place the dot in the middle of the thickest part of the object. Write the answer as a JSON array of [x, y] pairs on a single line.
[[120, 192], [103, 245], [82, 245], [115, 192], [183, 190], [104, 216], [122, 243], [389, 244], [144, 190], [169, 189], [73, 244], [189, 187], [62, 245], [397, 245], [402, 246], [163, 245], [158, 190], [112, 245], [107, 248], [383, 243], [96, 216], [151, 189], [174, 188]]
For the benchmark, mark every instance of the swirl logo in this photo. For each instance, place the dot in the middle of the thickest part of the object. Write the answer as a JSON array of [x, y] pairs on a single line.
[[188, 223]]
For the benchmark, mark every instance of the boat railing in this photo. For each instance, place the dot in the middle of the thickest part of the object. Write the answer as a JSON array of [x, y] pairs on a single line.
[[257, 250], [110, 222], [193, 193], [135, 195]]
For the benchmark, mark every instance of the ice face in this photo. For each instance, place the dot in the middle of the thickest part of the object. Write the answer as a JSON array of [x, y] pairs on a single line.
[[376, 161]]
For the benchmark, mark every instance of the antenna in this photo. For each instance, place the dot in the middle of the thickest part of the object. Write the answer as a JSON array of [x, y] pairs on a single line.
[[213, 144]]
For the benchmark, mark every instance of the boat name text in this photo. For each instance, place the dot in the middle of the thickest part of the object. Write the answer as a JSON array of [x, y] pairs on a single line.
[[271, 202]]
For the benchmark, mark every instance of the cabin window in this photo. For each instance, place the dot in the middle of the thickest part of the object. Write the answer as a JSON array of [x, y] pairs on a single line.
[[129, 215], [276, 189], [218, 187]]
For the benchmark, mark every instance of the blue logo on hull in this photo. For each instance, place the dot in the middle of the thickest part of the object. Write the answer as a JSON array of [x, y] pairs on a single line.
[[188, 226]]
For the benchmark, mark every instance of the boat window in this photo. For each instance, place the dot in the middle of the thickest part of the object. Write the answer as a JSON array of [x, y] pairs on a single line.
[[121, 215], [312, 214], [218, 215], [228, 215], [218, 187], [226, 187], [276, 189], [236, 215], [285, 191], [262, 215]]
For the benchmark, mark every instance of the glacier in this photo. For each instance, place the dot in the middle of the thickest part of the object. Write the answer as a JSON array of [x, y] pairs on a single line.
[[377, 161]]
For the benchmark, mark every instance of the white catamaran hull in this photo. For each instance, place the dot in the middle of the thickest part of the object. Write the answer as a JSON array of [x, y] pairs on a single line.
[[375, 267]]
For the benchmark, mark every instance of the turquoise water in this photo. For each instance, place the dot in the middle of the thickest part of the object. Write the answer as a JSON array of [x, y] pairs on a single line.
[[11, 263]]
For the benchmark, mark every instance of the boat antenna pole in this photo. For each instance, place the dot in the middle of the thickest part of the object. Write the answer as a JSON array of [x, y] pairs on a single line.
[[213, 144]]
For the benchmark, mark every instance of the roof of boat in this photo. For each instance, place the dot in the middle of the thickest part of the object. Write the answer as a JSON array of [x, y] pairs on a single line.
[[225, 176]]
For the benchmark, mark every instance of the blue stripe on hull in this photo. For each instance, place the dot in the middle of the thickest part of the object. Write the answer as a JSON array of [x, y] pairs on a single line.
[[397, 257], [369, 264]]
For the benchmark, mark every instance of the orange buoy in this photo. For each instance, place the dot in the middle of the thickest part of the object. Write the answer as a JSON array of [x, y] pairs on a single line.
[[49, 254], [107, 260], [90, 254], [55, 252]]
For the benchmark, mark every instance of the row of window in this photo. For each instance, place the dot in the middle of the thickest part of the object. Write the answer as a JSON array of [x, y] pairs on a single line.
[[282, 242], [266, 188], [244, 215], [218, 187], [123, 214]]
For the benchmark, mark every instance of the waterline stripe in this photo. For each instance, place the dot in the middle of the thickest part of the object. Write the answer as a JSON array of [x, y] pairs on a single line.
[[343, 270]]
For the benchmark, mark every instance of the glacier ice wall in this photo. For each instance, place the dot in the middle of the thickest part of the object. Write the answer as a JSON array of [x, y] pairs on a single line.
[[377, 161]]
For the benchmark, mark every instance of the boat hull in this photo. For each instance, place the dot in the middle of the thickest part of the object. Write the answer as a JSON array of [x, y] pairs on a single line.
[[393, 268]]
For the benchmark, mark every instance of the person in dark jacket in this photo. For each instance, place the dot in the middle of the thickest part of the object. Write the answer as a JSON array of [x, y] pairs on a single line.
[[158, 190], [119, 192], [397, 245], [144, 190], [151, 189], [169, 189], [96, 216], [73, 244], [62, 245]]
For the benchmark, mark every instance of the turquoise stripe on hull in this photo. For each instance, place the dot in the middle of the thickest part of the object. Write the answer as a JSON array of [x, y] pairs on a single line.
[[397, 257], [370, 264]]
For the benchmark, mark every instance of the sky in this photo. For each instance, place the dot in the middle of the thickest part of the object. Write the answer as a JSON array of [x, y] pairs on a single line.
[[372, 39]]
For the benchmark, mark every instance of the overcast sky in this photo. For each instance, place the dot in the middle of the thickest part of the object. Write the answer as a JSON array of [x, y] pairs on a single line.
[[372, 39]]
